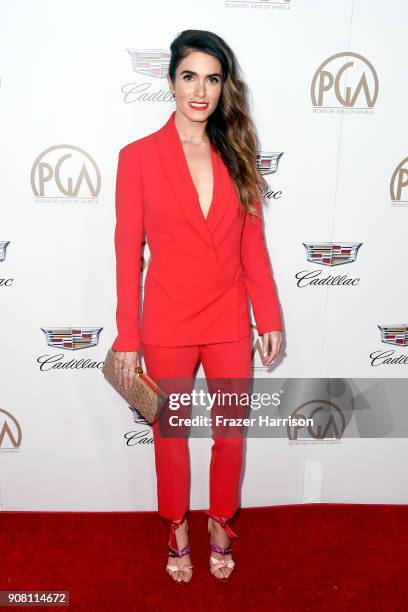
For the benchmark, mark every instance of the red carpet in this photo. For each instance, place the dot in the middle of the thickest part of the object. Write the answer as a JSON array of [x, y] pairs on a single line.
[[297, 557]]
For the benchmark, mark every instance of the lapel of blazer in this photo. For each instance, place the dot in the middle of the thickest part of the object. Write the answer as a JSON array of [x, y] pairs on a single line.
[[172, 156]]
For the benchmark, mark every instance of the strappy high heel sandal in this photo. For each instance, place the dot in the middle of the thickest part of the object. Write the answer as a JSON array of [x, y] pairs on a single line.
[[174, 552], [216, 564]]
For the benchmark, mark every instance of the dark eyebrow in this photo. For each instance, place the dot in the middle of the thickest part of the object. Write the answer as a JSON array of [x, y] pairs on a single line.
[[192, 72]]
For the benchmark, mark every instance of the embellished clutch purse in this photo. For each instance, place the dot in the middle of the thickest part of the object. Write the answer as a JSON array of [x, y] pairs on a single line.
[[144, 395]]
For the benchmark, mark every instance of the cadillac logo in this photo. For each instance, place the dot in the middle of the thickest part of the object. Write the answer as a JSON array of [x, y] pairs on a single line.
[[331, 253], [151, 62], [394, 334], [268, 162], [3, 246], [72, 338]]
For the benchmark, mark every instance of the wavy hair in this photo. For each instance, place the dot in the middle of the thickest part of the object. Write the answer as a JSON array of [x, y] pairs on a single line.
[[229, 128]]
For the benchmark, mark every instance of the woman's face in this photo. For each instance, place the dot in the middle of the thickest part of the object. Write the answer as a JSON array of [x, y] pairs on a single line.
[[198, 79]]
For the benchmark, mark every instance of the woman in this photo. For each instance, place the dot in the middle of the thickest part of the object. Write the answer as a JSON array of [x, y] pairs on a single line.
[[193, 186]]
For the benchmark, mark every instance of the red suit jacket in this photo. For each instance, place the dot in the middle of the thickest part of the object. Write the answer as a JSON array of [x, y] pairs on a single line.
[[201, 270]]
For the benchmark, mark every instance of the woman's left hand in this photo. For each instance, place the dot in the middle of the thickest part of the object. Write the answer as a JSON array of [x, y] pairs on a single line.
[[275, 340]]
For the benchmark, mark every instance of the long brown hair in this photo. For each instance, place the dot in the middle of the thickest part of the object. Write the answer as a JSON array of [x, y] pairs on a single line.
[[229, 128]]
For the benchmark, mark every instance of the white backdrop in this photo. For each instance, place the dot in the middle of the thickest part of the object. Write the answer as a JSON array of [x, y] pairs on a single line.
[[69, 88]]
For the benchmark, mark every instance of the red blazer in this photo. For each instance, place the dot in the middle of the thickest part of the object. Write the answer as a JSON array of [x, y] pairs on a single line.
[[201, 270]]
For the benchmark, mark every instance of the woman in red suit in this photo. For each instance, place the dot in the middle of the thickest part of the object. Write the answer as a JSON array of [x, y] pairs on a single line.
[[194, 188]]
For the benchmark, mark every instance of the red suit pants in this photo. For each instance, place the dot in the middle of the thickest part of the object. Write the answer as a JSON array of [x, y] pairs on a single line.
[[221, 359]]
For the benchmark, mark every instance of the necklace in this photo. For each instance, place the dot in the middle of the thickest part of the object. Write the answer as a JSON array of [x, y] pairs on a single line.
[[193, 141]]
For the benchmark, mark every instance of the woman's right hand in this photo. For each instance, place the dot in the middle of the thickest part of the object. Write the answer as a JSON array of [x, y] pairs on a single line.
[[125, 364]]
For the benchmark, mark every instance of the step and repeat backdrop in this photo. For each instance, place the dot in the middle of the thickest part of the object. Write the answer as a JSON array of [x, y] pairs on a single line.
[[328, 94]]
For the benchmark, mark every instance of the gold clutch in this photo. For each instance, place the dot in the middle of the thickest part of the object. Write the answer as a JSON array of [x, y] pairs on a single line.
[[144, 395]]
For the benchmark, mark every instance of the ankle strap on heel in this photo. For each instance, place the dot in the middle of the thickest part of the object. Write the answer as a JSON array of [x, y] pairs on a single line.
[[220, 549], [173, 550], [224, 522]]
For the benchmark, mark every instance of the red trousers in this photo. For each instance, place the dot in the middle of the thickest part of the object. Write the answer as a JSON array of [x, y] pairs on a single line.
[[222, 359]]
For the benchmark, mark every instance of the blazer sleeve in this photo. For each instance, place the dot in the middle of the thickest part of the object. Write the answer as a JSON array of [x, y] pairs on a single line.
[[129, 232], [258, 274]]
